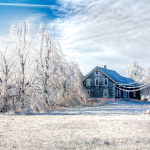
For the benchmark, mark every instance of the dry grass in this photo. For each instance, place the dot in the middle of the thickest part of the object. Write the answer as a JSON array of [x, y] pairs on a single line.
[[75, 132]]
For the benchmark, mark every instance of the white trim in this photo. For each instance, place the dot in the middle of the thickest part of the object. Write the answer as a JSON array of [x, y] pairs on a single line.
[[90, 73], [95, 82], [88, 82]]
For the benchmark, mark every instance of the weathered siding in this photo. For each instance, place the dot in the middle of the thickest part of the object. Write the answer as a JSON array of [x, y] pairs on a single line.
[[97, 91]]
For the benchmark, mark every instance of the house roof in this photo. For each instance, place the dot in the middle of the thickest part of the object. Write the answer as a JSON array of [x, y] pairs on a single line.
[[114, 76], [117, 77]]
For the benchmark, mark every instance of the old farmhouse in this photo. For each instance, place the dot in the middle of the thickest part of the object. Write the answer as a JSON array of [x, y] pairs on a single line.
[[105, 84]]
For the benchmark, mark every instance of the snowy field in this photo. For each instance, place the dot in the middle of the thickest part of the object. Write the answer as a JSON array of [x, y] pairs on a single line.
[[112, 108], [115, 126]]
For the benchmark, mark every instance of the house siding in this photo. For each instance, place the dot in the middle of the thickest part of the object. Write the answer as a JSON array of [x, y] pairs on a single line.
[[97, 91]]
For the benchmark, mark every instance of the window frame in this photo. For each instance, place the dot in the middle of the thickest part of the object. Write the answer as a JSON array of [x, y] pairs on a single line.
[[104, 93], [95, 82], [96, 72], [104, 81], [88, 81]]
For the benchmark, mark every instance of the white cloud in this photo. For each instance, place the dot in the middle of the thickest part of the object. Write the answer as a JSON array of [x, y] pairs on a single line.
[[116, 31], [29, 5], [98, 32]]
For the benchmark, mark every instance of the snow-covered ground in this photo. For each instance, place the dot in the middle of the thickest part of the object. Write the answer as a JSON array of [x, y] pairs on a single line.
[[116, 126], [112, 108]]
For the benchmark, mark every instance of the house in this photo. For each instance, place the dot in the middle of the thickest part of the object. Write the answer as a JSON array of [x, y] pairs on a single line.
[[105, 84]]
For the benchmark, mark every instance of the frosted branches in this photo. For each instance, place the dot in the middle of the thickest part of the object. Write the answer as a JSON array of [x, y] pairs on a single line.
[[40, 77], [140, 75]]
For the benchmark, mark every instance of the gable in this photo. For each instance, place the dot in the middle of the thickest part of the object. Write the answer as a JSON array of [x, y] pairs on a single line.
[[97, 68]]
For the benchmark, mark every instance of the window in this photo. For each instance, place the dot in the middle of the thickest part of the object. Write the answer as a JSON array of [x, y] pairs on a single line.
[[88, 82], [105, 81], [119, 93], [134, 94], [88, 93], [96, 82], [96, 72], [105, 93], [124, 94], [116, 93]]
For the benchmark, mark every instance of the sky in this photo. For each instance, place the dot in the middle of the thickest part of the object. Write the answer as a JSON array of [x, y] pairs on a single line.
[[91, 32]]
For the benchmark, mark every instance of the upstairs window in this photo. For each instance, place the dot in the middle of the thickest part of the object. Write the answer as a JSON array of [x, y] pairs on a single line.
[[96, 82], [105, 81], [87, 82], [96, 72]]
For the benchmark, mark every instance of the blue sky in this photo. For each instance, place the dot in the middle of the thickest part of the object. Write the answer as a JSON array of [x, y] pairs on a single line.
[[92, 33]]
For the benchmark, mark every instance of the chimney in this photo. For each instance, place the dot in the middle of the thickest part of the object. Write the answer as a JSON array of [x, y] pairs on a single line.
[[105, 66]]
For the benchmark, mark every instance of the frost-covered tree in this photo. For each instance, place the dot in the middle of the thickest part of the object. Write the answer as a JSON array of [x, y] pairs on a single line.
[[22, 45], [7, 64], [35, 74], [141, 76], [134, 71], [57, 77]]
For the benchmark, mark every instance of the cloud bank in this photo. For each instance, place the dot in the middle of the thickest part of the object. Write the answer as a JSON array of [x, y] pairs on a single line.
[[93, 32], [98, 32]]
